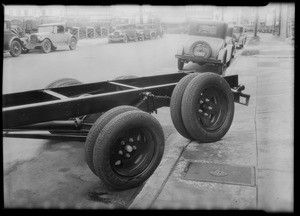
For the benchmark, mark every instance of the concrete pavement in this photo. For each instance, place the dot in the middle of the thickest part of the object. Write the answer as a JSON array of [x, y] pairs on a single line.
[[260, 139]]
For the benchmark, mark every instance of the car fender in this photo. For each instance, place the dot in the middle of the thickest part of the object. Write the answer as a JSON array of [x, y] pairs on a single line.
[[229, 51], [180, 51], [17, 39], [69, 39], [222, 53]]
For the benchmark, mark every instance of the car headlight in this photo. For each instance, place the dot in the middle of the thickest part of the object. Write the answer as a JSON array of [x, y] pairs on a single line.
[[201, 50]]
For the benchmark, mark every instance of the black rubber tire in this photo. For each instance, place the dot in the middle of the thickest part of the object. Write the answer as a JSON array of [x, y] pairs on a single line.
[[63, 82], [190, 101], [105, 144], [15, 48], [175, 105], [46, 46], [125, 77], [97, 128], [73, 43], [180, 64]]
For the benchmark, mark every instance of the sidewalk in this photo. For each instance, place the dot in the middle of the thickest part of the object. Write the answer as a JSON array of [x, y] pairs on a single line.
[[258, 147]]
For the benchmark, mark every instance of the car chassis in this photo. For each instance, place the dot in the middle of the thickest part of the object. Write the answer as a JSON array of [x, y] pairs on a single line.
[[62, 111]]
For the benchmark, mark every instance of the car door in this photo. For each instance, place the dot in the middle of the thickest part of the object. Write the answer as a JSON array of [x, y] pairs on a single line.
[[59, 36]]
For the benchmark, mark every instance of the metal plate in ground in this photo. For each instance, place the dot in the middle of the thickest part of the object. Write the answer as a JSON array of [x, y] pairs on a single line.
[[268, 64], [221, 173]]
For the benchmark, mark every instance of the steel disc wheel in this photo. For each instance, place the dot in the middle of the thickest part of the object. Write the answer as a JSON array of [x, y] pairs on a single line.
[[211, 108], [132, 151]]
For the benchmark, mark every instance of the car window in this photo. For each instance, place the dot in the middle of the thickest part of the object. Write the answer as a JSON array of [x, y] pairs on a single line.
[[60, 29], [45, 29], [237, 29]]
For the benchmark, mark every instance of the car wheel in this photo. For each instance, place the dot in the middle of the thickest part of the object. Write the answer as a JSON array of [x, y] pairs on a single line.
[[97, 128], [180, 64], [15, 48], [207, 107], [73, 44], [125, 39], [46, 46], [175, 105], [128, 149]]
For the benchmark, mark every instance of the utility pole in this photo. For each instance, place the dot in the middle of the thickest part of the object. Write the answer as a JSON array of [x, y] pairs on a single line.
[[256, 22], [141, 14]]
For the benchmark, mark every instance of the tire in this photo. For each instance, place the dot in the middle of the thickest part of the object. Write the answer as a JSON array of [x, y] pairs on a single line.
[[73, 43], [97, 128], [63, 82], [203, 42], [119, 171], [175, 105], [46, 46], [215, 125], [125, 39], [180, 64], [15, 48]]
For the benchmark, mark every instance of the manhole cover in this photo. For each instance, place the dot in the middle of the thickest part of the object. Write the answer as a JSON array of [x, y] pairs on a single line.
[[268, 64], [221, 173]]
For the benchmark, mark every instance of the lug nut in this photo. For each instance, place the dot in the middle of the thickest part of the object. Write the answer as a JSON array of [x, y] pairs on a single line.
[[120, 152], [209, 108], [201, 102], [127, 155], [206, 100], [205, 114], [122, 142], [128, 148], [200, 111], [130, 140], [118, 162], [134, 147]]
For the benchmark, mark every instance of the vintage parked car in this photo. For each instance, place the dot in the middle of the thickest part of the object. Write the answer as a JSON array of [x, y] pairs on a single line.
[[11, 41], [49, 36], [206, 44], [150, 31], [124, 33], [230, 40], [239, 36]]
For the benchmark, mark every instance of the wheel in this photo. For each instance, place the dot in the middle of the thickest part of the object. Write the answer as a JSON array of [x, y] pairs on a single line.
[[73, 44], [125, 39], [152, 36], [46, 46], [97, 128], [128, 149], [63, 82], [180, 64], [15, 48], [207, 107], [175, 105]]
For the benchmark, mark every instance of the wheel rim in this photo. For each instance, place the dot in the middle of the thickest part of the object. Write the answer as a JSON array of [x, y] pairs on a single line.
[[211, 108], [132, 152], [47, 45], [73, 43]]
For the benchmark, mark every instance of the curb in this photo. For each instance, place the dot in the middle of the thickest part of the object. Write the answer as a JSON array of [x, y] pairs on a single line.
[[158, 179]]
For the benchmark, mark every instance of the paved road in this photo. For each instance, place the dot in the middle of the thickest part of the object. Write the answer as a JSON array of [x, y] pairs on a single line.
[[43, 173]]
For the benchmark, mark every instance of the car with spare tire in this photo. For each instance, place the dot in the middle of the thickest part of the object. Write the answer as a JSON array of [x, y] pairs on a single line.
[[206, 44], [49, 37]]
